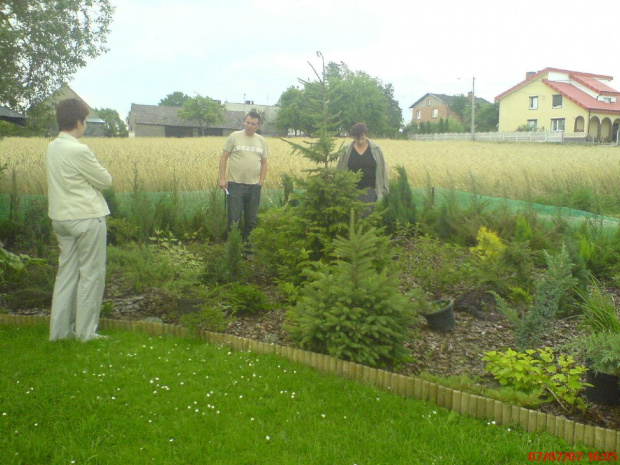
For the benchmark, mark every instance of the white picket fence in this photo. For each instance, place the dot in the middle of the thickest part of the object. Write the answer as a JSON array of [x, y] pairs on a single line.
[[534, 136]]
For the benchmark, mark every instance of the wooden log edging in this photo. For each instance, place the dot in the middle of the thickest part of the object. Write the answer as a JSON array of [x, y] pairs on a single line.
[[603, 439]]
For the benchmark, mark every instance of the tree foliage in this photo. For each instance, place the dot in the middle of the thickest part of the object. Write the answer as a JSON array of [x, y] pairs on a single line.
[[44, 42], [352, 308], [321, 211], [486, 115], [355, 97], [175, 99], [114, 125], [204, 110]]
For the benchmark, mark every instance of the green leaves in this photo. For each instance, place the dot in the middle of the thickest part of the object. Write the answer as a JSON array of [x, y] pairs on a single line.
[[204, 110], [539, 371], [44, 42]]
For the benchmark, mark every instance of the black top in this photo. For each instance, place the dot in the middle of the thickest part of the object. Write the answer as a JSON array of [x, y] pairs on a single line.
[[367, 164]]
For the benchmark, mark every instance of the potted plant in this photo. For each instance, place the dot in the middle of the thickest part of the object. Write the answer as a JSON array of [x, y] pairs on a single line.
[[601, 351], [438, 313]]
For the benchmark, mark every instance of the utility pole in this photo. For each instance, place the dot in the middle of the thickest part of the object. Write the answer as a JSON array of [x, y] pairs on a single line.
[[473, 106]]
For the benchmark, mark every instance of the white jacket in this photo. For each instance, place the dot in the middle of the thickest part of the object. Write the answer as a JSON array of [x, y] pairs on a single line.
[[75, 180]]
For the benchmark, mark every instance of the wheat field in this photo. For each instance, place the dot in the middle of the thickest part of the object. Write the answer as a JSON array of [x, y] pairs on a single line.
[[519, 171]]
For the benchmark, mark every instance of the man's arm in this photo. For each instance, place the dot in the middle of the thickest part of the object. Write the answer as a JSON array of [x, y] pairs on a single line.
[[223, 162], [264, 166]]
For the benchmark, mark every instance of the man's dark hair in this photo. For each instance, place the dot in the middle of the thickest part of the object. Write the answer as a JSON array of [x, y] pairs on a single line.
[[69, 112], [358, 130], [255, 115]]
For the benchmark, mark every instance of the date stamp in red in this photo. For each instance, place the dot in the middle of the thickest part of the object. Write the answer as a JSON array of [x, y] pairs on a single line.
[[572, 456]]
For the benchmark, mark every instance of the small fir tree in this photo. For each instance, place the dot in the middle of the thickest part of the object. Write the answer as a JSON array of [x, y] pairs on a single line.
[[399, 207], [321, 210], [352, 308]]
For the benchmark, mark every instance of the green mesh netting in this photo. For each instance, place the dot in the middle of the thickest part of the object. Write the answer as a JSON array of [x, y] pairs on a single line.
[[466, 199]]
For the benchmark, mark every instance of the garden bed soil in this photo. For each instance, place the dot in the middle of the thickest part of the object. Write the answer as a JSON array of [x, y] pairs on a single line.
[[445, 354]]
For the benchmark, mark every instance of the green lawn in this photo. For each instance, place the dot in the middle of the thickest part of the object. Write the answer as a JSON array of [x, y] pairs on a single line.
[[141, 399]]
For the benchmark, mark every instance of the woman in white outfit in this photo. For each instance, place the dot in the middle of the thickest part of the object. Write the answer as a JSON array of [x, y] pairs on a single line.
[[77, 209]]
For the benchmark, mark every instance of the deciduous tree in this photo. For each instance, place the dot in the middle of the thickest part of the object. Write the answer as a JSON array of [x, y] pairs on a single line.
[[114, 125], [175, 99], [44, 42], [356, 97], [204, 110]]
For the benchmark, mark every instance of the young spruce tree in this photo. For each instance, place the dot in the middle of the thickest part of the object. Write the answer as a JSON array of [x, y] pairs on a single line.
[[320, 210], [352, 308]]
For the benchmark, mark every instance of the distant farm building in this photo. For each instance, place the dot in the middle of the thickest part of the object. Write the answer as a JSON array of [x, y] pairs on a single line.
[[163, 121], [6, 114], [95, 126]]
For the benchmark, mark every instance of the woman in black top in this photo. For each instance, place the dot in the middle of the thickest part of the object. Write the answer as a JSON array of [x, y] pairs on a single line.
[[364, 155]]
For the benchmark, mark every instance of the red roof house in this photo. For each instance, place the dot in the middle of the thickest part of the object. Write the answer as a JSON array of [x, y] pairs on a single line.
[[576, 103]]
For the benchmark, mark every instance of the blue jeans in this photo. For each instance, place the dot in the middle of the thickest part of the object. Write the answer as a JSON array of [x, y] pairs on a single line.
[[243, 199]]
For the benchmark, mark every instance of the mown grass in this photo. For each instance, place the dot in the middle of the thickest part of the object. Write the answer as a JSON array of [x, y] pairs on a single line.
[[137, 399]]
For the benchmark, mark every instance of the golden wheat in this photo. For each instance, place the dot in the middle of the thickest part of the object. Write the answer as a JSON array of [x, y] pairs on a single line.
[[511, 170]]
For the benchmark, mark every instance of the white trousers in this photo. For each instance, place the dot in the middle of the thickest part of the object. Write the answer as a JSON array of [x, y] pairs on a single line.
[[78, 290]]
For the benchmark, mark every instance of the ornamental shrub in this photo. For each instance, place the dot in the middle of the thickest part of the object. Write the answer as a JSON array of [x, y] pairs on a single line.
[[554, 378], [489, 245], [400, 209], [350, 309]]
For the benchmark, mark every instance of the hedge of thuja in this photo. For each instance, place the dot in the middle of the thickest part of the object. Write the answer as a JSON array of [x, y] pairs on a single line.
[[603, 439]]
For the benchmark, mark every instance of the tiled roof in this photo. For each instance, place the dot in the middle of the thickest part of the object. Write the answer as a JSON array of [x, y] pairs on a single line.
[[582, 99], [594, 84], [447, 99], [167, 116], [7, 114], [587, 77]]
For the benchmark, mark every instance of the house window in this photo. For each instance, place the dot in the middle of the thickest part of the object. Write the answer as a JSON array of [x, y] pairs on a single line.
[[435, 112], [532, 124], [557, 101], [534, 103], [557, 124], [428, 102], [419, 114]]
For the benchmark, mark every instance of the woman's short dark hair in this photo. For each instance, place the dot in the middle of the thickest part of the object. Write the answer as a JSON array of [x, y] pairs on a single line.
[[69, 112], [358, 130]]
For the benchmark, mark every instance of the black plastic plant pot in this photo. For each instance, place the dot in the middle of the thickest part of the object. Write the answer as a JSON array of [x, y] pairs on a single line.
[[605, 389], [442, 319]]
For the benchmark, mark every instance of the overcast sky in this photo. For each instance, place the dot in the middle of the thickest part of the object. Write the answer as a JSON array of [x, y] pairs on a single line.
[[255, 49]]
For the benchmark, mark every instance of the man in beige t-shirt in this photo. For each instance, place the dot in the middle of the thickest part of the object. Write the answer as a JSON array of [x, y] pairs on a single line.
[[245, 153]]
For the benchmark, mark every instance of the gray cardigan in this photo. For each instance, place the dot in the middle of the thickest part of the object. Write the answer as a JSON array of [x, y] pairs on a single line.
[[381, 181]]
